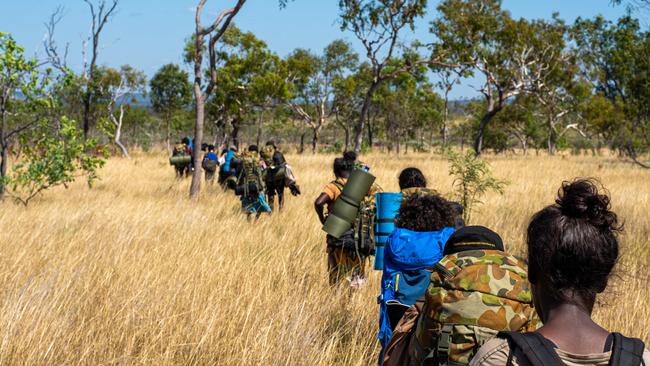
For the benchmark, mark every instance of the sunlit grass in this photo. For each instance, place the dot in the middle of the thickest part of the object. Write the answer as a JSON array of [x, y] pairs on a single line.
[[132, 272]]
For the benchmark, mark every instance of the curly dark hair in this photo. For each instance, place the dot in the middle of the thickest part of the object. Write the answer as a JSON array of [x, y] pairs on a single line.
[[425, 213], [350, 156], [573, 244], [412, 178], [342, 168]]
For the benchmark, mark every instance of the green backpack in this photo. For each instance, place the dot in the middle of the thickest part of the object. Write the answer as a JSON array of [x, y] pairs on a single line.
[[473, 295], [251, 173]]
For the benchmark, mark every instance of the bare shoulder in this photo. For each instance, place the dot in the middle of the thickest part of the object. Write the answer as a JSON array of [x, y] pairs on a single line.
[[646, 358], [493, 353]]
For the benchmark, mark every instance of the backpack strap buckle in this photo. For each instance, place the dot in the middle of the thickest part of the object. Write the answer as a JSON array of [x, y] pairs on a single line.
[[444, 342]]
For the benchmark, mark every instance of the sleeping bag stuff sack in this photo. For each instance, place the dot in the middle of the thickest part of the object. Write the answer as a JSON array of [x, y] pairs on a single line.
[[408, 257], [346, 207], [226, 165], [387, 209]]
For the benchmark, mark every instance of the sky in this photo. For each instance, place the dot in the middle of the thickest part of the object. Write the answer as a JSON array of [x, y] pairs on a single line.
[[150, 33]]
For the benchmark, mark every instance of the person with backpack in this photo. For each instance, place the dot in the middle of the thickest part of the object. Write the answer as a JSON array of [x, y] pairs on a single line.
[[277, 177], [181, 159], [210, 164], [572, 249], [412, 180], [475, 291], [344, 262], [423, 225], [364, 233], [229, 168], [250, 185]]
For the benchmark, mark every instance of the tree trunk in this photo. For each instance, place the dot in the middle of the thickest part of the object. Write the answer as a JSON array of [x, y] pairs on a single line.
[[86, 112], [259, 130], [118, 133], [478, 143], [3, 167], [4, 153], [314, 140], [301, 149], [168, 118], [358, 139], [445, 116], [235, 132], [195, 186], [347, 138], [551, 142], [371, 124]]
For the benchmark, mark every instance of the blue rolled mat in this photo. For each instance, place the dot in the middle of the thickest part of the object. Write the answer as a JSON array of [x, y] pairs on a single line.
[[387, 209]]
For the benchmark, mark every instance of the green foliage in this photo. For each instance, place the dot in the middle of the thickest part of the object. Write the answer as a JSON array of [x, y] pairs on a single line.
[[472, 180], [51, 160], [170, 89], [615, 57]]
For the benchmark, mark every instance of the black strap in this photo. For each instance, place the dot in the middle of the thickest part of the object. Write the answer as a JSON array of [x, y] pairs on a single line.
[[538, 350], [626, 351], [338, 185]]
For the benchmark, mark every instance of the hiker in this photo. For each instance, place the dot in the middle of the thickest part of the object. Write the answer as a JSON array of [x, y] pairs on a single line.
[[181, 160], [189, 147], [354, 158], [210, 164], [475, 291], [278, 175], [228, 171], [423, 225], [343, 261], [364, 234], [412, 180], [572, 249], [250, 185]]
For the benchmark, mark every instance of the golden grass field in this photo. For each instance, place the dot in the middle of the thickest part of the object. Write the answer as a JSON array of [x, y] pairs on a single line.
[[132, 272]]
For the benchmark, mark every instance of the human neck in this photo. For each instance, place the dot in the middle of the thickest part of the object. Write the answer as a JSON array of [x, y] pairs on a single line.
[[571, 328]]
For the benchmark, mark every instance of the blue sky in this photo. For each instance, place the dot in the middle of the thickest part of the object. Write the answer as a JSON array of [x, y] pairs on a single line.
[[150, 33]]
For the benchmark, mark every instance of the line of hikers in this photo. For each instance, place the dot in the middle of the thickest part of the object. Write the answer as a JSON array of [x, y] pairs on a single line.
[[257, 177], [452, 295]]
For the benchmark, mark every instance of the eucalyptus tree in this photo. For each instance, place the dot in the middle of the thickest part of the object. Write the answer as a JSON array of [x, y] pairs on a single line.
[[507, 53], [379, 25], [615, 57], [313, 80], [121, 88], [170, 91], [252, 80]]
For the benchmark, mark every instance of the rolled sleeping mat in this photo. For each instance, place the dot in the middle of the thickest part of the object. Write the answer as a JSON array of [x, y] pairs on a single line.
[[347, 205], [387, 209], [180, 160]]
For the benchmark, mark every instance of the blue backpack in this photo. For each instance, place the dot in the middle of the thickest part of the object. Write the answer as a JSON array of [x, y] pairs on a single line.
[[407, 257]]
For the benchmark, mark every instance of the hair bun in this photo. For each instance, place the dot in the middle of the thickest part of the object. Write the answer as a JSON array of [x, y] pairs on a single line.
[[580, 199]]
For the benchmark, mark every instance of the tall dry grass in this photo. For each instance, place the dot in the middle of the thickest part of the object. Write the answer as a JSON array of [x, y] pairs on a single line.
[[131, 272]]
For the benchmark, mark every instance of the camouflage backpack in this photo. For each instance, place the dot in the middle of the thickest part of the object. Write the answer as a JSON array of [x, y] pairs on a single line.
[[179, 150], [473, 295], [251, 172], [267, 155], [364, 235]]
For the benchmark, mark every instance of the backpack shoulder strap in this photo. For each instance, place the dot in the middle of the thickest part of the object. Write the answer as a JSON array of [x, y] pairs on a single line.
[[626, 351], [538, 350], [338, 185]]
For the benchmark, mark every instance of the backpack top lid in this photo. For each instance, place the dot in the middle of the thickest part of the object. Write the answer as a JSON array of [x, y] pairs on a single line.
[[473, 238], [488, 272], [411, 250]]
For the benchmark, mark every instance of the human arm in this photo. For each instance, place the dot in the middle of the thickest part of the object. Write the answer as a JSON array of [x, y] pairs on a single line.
[[319, 206]]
